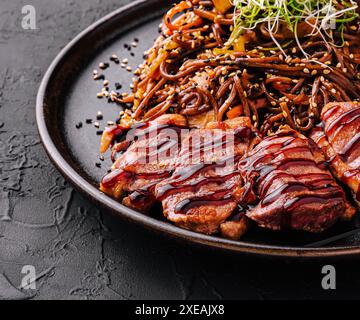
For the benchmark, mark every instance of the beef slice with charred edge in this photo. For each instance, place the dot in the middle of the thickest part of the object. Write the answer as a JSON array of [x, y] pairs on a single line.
[[150, 156], [286, 185], [339, 138], [198, 195]]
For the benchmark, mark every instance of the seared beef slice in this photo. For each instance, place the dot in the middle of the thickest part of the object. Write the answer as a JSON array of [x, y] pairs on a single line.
[[339, 137], [198, 196], [286, 181], [150, 156]]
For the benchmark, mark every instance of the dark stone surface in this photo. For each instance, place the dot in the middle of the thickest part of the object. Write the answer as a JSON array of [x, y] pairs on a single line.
[[80, 252]]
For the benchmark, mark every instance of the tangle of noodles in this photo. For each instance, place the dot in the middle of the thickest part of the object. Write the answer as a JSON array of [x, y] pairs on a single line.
[[190, 71]]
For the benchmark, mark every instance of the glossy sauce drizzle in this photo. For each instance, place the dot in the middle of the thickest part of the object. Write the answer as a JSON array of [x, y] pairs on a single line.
[[143, 131], [345, 119], [269, 164], [193, 177]]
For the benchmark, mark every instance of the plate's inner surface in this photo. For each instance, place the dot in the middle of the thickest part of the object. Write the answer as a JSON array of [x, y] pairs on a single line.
[[76, 102]]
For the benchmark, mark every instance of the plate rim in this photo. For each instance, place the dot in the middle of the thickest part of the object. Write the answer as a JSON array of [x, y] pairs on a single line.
[[165, 228]]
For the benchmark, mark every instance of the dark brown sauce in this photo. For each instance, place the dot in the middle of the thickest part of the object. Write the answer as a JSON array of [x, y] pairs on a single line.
[[186, 173], [350, 147], [180, 179], [269, 163], [217, 199], [144, 193], [292, 204], [110, 180], [329, 113], [214, 144], [193, 186], [178, 182], [335, 128], [269, 179], [295, 186], [345, 119], [350, 174], [142, 131]]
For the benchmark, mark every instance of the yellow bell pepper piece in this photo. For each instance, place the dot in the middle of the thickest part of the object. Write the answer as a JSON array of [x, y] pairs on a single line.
[[222, 5]]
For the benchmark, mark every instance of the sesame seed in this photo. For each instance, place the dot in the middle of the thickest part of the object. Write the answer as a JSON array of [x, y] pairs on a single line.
[[314, 72], [103, 65], [306, 70], [79, 125], [106, 83], [99, 77], [100, 95], [128, 68], [99, 115], [326, 71], [96, 124]]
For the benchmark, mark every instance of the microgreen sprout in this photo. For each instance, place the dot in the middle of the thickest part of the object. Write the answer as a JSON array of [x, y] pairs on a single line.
[[323, 16]]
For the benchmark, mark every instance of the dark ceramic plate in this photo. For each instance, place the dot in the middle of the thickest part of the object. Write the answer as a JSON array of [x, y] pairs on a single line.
[[67, 96]]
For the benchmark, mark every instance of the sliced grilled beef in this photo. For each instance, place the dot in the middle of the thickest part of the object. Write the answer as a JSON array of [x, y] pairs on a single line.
[[339, 137], [198, 196], [287, 185], [150, 150]]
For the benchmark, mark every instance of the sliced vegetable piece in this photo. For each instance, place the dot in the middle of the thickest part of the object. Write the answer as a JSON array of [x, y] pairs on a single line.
[[222, 5]]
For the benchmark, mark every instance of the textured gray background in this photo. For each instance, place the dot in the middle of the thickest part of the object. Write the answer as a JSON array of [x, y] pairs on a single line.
[[80, 252]]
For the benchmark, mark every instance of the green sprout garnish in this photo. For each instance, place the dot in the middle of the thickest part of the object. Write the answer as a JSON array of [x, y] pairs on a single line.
[[322, 16]]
